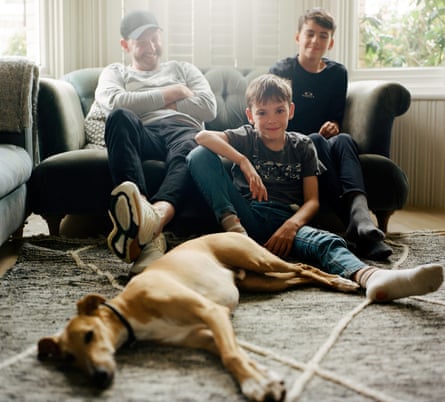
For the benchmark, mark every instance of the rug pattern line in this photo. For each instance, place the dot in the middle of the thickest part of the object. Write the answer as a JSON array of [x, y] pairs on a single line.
[[300, 384], [326, 374], [75, 254], [313, 365]]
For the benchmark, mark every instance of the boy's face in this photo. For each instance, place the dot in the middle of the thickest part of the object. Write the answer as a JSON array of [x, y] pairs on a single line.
[[314, 40], [271, 118]]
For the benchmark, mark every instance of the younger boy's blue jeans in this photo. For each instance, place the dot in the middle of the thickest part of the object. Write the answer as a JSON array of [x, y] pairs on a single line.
[[261, 219]]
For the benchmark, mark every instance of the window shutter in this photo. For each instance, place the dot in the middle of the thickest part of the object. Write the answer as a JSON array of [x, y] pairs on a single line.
[[222, 34], [266, 32], [237, 33], [180, 20]]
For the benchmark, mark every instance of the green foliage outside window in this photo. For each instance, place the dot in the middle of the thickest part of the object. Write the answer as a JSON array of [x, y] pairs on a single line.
[[414, 38], [17, 45]]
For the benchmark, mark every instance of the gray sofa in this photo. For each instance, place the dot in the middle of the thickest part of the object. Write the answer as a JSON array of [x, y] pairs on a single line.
[[18, 100], [74, 179]]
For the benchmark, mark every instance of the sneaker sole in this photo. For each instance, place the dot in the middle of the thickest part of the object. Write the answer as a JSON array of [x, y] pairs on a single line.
[[125, 216]]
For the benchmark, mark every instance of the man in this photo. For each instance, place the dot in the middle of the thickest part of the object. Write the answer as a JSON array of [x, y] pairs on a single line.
[[319, 89], [154, 110]]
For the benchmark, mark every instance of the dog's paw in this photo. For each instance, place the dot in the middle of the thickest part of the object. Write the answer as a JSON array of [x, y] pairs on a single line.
[[281, 275], [345, 285], [270, 389]]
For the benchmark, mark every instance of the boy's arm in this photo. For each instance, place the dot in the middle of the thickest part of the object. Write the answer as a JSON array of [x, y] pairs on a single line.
[[280, 243], [218, 142], [338, 101]]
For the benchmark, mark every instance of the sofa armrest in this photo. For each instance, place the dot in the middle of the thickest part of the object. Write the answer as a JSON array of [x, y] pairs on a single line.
[[60, 118], [371, 107]]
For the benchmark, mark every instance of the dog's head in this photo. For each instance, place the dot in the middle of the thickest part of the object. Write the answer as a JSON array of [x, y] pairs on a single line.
[[84, 343]]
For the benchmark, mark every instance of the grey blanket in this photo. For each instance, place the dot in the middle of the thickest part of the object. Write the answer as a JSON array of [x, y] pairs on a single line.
[[18, 96]]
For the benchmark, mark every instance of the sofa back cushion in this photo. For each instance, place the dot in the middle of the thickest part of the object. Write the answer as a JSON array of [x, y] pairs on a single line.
[[84, 82], [228, 84]]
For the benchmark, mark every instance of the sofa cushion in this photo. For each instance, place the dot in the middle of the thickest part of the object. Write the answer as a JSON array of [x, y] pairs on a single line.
[[15, 168], [95, 126], [229, 87]]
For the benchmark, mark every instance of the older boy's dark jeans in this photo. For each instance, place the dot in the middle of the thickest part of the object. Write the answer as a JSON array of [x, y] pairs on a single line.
[[344, 174], [129, 143]]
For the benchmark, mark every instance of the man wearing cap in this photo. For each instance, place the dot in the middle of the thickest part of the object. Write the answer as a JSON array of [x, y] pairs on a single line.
[[154, 110]]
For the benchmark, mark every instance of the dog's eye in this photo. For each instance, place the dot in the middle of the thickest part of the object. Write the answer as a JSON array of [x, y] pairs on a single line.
[[88, 337]]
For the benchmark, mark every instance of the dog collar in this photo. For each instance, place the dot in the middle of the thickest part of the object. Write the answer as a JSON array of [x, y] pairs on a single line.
[[131, 338]]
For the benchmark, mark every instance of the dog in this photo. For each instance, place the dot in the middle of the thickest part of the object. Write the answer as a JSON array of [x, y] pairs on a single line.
[[185, 299]]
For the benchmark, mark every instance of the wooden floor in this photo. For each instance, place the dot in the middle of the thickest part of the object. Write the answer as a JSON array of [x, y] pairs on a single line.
[[407, 220], [411, 219]]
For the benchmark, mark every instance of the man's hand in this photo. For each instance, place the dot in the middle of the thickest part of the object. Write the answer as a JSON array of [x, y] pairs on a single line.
[[174, 93], [329, 129]]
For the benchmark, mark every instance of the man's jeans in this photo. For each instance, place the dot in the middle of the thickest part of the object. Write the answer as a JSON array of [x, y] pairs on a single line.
[[129, 143], [261, 219]]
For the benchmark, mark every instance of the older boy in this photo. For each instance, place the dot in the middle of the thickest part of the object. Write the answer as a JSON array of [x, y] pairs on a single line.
[[274, 193], [319, 92]]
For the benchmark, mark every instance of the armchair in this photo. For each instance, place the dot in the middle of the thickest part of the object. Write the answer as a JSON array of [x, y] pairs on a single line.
[[18, 100], [73, 176]]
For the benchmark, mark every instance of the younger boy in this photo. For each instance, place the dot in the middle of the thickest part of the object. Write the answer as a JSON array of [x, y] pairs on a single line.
[[274, 193]]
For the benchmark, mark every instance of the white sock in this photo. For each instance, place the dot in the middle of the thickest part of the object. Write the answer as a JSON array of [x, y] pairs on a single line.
[[231, 223], [386, 285]]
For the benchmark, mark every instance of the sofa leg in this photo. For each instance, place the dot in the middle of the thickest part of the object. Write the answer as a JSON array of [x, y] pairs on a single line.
[[53, 222], [383, 219]]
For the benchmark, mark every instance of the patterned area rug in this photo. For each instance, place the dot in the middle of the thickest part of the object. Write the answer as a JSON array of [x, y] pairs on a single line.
[[328, 346]]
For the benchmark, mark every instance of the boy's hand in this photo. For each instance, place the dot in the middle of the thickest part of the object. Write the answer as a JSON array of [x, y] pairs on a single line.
[[280, 243], [256, 186], [329, 129]]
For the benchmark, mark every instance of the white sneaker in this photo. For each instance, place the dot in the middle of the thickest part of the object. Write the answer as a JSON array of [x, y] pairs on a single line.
[[135, 222], [151, 252]]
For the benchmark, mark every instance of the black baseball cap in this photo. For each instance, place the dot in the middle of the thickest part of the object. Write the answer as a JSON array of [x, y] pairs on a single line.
[[136, 22]]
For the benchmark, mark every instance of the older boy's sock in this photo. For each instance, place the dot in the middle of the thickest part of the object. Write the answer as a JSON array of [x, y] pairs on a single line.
[[361, 225], [385, 285], [231, 223], [374, 250]]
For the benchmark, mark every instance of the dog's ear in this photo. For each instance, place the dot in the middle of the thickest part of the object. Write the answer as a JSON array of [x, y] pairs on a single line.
[[89, 303], [49, 347]]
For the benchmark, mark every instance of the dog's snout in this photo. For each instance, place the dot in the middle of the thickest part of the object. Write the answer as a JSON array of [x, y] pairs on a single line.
[[102, 377]]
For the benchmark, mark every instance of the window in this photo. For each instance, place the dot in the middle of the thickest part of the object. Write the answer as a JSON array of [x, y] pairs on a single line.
[[401, 33], [19, 28], [397, 40]]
